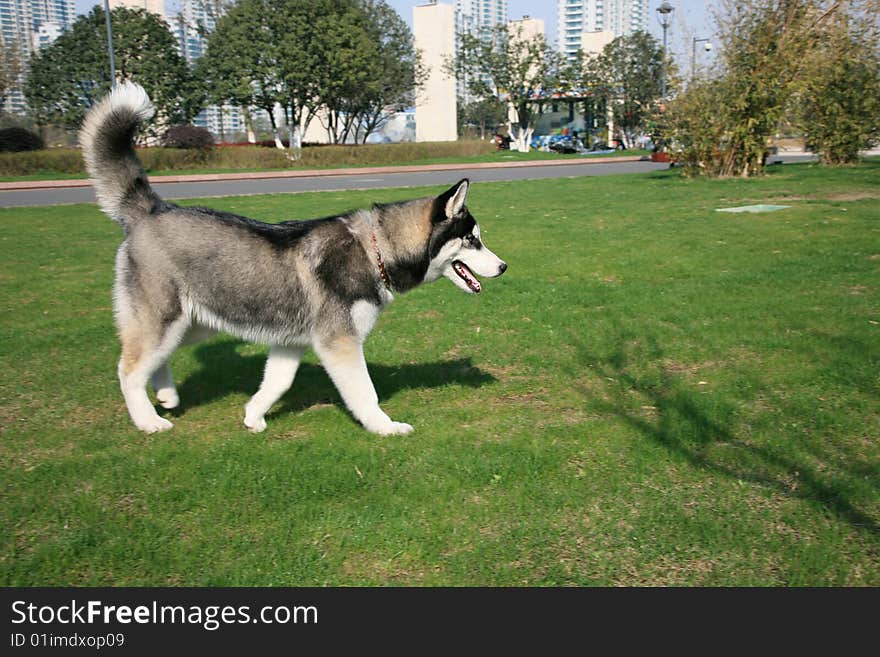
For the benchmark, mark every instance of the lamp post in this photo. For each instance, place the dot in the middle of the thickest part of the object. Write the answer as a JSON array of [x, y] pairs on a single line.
[[664, 11], [707, 48], [110, 44]]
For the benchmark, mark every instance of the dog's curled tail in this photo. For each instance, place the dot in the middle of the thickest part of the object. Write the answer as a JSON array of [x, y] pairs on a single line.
[[107, 141]]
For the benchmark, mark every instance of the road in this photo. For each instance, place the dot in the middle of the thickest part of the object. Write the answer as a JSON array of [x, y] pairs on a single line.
[[205, 189]]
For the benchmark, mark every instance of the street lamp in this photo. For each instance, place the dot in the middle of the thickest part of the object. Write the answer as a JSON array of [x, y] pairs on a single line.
[[707, 48], [664, 12], [110, 44]]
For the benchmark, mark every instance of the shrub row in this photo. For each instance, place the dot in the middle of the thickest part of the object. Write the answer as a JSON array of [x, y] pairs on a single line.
[[69, 160]]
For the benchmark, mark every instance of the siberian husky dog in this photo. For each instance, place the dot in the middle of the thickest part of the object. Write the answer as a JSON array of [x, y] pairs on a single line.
[[184, 273]]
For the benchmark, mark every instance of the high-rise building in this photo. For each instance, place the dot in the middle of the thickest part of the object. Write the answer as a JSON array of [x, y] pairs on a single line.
[[27, 26], [59, 12], [618, 17], [196, 18], [475, 15], [188, 28]]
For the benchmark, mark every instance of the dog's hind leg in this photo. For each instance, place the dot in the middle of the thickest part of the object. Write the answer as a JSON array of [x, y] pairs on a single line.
[[143, 353], [163, 384], [281, 367], [343, 358], [163, 380]]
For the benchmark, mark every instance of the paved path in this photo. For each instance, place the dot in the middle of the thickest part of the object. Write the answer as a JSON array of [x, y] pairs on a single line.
[[208, 185]]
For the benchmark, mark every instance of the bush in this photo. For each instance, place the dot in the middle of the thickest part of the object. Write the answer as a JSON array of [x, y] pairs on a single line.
[[839, 104], [188, 136], [16, 140], [721, 126]]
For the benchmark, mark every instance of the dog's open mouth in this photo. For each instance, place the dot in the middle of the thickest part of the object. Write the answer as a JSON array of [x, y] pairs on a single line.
[[466, 275]]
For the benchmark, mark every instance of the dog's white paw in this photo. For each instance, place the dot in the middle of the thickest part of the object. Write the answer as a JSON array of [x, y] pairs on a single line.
[[395, 429], [255, 425], [167, 398], [154, 425]]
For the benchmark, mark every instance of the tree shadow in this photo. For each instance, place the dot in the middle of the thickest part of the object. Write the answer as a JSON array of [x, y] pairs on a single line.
[[223, 371], [690, 423]]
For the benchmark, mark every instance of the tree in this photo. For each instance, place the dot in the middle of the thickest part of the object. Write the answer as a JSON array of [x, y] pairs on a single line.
[[505, 64], [368, 64], [71, 74], [838, 104], [268, 53], [198, 19], [345, 61], [722, 125], [345, 69], [627, 76], [396, 69], [485, 114], [306, 30], [241, 64]]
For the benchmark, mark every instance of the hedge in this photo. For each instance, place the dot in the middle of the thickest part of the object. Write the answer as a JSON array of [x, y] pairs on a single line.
[[69, 160]]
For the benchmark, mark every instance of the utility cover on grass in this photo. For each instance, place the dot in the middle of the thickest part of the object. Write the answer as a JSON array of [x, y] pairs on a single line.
[[754, 208]]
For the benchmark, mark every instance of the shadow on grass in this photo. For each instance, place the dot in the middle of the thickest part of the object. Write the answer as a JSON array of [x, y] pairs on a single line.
[[692, 424], [223, 370]]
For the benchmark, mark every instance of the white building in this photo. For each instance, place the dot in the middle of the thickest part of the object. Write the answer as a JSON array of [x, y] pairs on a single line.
[[26, 26], [575, 18], [593, 43], [434, 35], [527, 27], [153, 6]]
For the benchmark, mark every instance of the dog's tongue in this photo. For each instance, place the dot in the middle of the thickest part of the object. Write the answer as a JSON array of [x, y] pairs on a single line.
[[466, 275]]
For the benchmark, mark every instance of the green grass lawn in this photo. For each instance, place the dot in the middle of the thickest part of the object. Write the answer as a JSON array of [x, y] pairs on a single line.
[[654, 394], [495, 157]]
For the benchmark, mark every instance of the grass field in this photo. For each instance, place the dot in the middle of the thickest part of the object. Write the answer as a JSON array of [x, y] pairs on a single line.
[[654, 394]]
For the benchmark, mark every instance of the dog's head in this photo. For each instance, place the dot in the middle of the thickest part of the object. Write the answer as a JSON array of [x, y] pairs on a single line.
[[456, 249]]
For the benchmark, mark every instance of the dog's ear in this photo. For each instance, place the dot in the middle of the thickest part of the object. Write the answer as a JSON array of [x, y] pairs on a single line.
[[451, 202]]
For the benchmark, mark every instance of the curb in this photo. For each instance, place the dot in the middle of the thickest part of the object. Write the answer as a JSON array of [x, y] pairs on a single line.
[[318, 173]]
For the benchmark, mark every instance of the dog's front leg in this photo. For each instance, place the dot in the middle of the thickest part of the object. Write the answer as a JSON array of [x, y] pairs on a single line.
[[343, 358]]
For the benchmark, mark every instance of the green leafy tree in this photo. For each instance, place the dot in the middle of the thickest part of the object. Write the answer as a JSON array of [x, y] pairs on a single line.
[[485, 114], [366, 65], [505, 64], [838, 104], [72, 73], [396, 71], [346, 62], [344, 69], [721, 126], [268, 53], [241, 65], [627, 76], [300, 28]]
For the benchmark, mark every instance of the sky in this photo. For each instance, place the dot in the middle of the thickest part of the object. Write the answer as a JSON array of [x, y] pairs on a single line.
[[690, 19]]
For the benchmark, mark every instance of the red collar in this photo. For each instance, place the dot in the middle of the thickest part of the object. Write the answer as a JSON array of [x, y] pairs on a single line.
[[382, 272]]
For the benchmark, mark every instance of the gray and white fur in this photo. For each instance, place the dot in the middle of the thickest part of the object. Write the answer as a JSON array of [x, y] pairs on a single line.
[[183, 274]]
